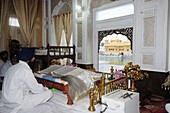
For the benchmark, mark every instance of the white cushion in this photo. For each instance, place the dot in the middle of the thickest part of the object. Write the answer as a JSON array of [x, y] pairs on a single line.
[[167, 107]]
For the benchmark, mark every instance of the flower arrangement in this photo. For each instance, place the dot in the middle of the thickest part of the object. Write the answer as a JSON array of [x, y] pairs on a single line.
[[118, 74], [115, 75], [73, 65], [134, 72]]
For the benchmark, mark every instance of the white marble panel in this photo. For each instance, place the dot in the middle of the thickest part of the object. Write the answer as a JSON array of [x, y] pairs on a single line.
[[149, 13], [79, 34], [149, 32], [148, 60], [79, 3], [79, 15], [79, 56]]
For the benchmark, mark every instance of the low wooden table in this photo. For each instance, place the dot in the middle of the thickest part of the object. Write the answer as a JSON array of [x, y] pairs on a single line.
[[59, 86]]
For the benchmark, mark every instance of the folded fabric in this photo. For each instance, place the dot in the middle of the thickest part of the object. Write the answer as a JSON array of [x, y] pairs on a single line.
[[76, 85], [48, 77]]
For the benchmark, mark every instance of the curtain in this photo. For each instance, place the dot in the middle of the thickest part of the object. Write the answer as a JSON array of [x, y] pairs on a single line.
[[3, 13], [26, 11], [58, 28], [37, 34], [67, 22]]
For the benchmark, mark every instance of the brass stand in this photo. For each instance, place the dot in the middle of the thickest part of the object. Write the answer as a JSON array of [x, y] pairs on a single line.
[[133, 86]]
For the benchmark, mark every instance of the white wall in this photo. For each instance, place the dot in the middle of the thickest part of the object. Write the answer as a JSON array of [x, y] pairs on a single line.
[[150, 30]]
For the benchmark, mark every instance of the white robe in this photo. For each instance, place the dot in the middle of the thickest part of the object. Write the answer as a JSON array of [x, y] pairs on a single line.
[[21, 91], [1, 63], [167, 107], [4, 68]]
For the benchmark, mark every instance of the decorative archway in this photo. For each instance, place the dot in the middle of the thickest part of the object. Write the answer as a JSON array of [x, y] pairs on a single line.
[[128, 32], [61, 8]]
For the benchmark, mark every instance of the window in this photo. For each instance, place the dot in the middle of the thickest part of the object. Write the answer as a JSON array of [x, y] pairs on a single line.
[[119, 11], [13, 22], [63, 39]]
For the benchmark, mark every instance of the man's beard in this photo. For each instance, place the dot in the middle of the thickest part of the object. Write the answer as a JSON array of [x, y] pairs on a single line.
[[32, 65]]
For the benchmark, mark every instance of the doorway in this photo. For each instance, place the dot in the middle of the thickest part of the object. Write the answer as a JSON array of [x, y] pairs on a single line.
[[115, 48]]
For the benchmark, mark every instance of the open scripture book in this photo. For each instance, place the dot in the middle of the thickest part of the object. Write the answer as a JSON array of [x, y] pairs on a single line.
[[59, 71]]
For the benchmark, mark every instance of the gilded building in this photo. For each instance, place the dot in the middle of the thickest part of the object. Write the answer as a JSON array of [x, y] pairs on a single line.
[[117, 46]]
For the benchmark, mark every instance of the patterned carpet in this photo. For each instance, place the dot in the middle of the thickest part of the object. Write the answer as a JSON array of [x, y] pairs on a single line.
[[154, 104]]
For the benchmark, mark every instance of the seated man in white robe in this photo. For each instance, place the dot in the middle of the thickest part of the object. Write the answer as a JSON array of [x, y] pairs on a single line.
[[3, 59], [7, 65], [20, 90]]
